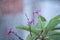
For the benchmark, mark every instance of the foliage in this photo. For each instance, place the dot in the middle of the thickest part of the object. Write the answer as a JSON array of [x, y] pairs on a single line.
[[41, 31]]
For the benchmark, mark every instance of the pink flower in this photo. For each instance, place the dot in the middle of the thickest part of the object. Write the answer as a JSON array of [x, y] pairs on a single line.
[[9, 31], [36, 11], [31, 21]]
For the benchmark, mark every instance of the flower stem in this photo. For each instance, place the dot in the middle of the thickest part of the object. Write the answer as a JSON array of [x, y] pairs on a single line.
[[17, 35]]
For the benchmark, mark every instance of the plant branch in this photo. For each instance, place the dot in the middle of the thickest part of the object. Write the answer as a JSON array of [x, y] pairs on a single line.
[[17, 35]]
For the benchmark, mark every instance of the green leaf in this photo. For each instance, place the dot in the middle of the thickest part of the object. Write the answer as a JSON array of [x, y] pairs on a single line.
[[40, 24], [57, 28], [42, 18], [29, 37], [50, 28], [54, 35], [52, 24], [33, 29]]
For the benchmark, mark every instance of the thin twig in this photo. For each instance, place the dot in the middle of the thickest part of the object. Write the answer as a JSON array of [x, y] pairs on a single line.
[[26, 16], [17, 35], [28, 24], [30, 29]]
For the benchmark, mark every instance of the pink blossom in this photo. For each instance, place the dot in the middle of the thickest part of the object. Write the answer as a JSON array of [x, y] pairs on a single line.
[[36, 11], [31, 21], [9, 31]]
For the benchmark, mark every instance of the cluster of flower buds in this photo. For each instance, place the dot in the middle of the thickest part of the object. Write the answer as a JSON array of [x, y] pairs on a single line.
[[32, 20]]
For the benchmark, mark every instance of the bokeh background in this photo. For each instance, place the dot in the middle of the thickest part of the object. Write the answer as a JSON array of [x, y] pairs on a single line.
[[12, 14]]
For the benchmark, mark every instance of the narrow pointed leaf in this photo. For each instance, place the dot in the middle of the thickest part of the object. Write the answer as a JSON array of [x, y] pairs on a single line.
[[40, 24], [55, 37], [57, 28], [34, 30], [52, 33], [42, 18], [52, 24]]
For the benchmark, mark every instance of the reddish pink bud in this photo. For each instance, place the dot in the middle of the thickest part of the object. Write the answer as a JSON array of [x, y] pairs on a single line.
[[36, 11], [9, 31], [31, 21]]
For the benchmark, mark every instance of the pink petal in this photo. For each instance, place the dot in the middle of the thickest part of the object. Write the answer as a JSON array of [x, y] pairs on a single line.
[[36, 11], [9, 31], [31, 21]]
